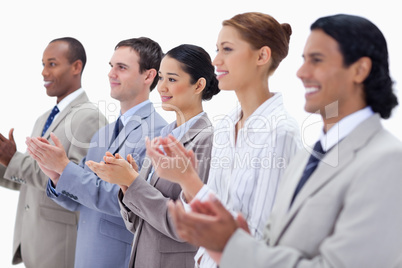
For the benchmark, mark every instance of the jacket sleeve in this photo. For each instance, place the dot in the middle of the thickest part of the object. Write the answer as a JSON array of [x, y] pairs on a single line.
[[150, 203]]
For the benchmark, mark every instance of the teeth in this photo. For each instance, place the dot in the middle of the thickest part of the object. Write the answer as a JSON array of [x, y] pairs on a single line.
[[47, 83], [311, 89], [220, 73]]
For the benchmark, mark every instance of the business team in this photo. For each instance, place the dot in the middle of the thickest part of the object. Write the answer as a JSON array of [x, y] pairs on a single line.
[[335, 206]]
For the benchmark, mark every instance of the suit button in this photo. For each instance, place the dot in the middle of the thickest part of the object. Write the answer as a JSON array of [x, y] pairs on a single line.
[[27, 207]]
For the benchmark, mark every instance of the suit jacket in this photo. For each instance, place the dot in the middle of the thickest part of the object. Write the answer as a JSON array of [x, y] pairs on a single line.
[[103, 240], [45, 233], [145, 212], [347, 214]]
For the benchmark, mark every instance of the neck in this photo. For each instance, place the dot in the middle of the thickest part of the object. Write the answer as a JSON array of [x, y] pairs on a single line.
[[251, 99], [183, 116]]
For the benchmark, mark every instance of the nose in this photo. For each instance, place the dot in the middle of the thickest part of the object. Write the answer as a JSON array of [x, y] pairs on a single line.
[[302, 72], [112, 73], [162, 86], [45, 71], [217, 60]]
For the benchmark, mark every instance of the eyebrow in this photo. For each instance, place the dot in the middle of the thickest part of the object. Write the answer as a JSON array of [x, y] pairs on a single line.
[[313, 54], [119, 64], [224, 42], [175, 74]]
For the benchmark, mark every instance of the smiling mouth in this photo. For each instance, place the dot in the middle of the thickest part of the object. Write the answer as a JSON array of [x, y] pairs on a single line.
[[47, 83], [165, 98], [311, 90], [220, 74]]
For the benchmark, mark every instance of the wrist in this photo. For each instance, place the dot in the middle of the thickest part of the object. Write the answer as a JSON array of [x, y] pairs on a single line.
[[191, 186]]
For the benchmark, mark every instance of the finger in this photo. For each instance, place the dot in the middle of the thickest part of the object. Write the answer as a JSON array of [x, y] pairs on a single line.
[[242, 223], [11, 135], [56, 140], [43, 140], [202, 207], [118, 156], [108, 154]]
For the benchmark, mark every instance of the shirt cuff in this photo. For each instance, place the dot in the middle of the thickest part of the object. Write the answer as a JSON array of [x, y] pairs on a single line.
[[52, 188]]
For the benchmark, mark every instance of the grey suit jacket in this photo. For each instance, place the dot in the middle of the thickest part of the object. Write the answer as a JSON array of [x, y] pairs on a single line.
[[45, 233], [348, 214], [103, 240], [145, 213]]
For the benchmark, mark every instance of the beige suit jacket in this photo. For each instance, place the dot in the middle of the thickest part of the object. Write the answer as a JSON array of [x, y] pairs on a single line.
[[145, 213], [348, 214], [44, 232]]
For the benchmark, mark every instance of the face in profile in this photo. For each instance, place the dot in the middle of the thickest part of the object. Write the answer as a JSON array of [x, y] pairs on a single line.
[[235, 61], [175, 88], [125, 78], [57, 71], [324, 76]]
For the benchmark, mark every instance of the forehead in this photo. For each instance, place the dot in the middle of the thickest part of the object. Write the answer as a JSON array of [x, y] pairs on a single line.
[[229, 34], [321, 43], [125, 55], [169, 64], [56, 50]]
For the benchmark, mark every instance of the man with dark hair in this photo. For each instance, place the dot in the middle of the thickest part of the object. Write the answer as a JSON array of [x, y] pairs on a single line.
[[103, 240], [45, 233], [338, 206]]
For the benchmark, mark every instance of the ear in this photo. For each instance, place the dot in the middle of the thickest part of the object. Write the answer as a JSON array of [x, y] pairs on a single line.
[[264, 55], [150, 75], [200, 85], [362, 69], [77, 67]]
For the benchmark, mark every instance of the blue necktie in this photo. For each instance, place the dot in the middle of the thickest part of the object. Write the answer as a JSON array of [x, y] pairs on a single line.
[[315, 157], [50, 119], [117, 128]]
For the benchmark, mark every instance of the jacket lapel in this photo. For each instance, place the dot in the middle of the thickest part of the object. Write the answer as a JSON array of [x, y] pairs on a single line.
[[135, 121], [82, 98], [334, 161]]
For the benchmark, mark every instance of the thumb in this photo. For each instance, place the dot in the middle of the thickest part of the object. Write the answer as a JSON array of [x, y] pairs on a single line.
[[11, 135], [56, 140], [242, 223]]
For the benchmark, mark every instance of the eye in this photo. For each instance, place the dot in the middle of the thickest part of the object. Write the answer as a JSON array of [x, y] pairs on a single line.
[[172, 80], [227, 49], [52, 64], [160, 78]]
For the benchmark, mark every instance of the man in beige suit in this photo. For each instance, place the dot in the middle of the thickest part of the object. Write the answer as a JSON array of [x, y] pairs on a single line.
[[347, 213], [45, 233]]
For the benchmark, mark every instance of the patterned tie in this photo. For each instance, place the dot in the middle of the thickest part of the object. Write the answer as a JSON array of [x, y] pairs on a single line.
[[117, 128], [50, 119], [315, 157]]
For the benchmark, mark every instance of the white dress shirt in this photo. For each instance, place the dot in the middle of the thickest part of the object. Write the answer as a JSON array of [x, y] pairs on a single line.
[[245, 172]]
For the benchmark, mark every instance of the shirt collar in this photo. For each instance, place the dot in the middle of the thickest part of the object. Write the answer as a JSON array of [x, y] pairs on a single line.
[[129, 113], [178, 132], [68, 99], [345, 126]]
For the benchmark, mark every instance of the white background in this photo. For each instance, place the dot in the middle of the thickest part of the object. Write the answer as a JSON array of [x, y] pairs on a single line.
[[28, 26]]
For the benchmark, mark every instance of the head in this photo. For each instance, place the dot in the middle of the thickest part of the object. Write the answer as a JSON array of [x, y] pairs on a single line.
[[63, 62], [263, 40], [187, 77], [149, 52], [359, 40], [134, 70]]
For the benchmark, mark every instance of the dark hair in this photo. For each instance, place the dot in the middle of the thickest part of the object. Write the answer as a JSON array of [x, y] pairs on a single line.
[[260, 30], [358, 37], [150, 54], [197, 63], [76, 50]]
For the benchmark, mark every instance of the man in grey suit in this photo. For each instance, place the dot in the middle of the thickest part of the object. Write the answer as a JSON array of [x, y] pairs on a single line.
[[347, 213], [45, 233], [103, 240]]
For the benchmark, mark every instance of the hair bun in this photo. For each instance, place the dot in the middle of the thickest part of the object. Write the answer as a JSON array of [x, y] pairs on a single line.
[[287, 28]]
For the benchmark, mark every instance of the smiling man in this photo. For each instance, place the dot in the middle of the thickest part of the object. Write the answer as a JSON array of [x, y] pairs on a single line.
[[45, 233], [338, 206], [103, 240]]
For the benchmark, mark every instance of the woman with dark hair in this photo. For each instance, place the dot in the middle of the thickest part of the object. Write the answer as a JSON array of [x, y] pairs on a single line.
[[253, 144], [186, 78]]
